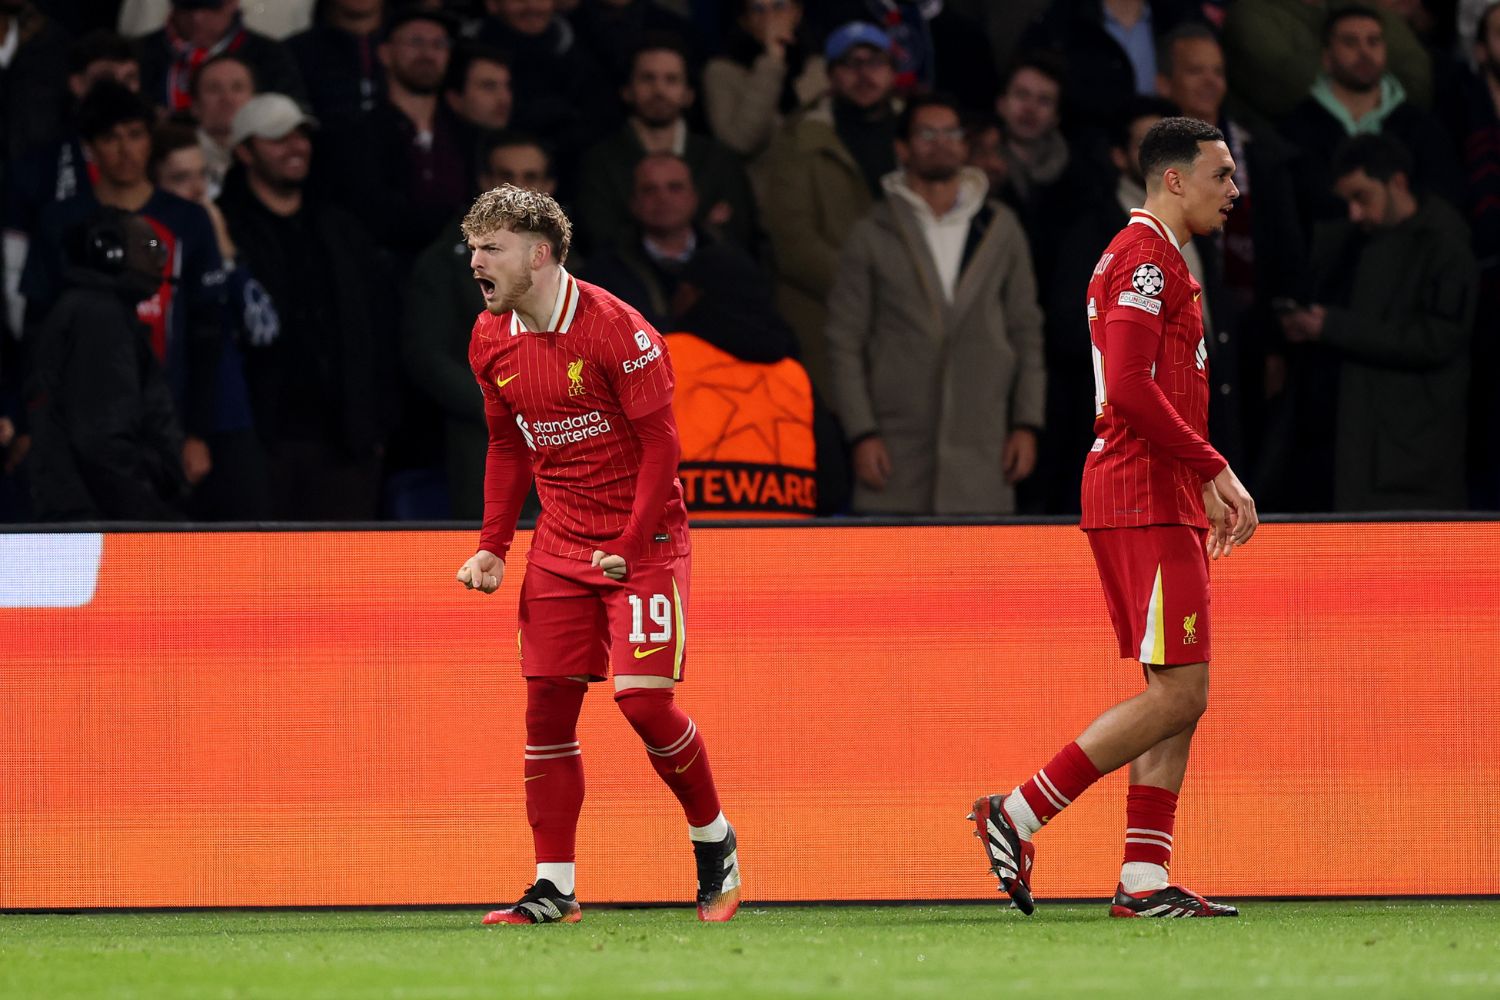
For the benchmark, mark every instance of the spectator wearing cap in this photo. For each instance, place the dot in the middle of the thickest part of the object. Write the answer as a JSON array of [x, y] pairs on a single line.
[[441, 302], [408, 155], [336, 57], [322, 391], [658, 95], [183, 317], [561, 94], [221, 86], [935, 335], [197, 30], [821, 174], [934, 45], [58, 170], [768, 71]]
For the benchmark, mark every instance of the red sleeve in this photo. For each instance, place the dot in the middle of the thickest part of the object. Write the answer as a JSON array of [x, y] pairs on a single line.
[[640, 370], [1134, 394], [660, 451], [507, 480]]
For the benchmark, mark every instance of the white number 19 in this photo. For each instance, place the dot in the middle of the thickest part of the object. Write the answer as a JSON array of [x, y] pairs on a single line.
[[661, 614]]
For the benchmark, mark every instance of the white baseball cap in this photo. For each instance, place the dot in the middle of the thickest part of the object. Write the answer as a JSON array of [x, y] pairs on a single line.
[[268, 116]]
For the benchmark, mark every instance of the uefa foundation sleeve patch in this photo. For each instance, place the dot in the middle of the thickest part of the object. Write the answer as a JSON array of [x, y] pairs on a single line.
[[1136, 301]]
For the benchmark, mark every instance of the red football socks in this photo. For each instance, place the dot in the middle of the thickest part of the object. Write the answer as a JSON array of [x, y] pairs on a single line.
[[554, 765], [675, 749], [1054, 787], [1149, 815]]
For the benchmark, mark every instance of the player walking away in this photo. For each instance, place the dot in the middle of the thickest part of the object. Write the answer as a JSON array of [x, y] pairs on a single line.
[[578, 393], [1158, 501]]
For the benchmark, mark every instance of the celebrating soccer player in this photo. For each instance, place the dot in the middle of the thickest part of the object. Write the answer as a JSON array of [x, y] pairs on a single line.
[[1158, 501], [578, 394]]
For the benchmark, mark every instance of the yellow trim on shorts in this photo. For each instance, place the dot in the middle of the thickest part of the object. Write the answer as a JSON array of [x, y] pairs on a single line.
[[681, 629], [1154, 642]]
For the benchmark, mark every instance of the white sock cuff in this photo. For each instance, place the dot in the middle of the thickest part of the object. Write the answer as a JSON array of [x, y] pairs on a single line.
[[1021, 814], [712, 833], [1142, 876], [559, 873]]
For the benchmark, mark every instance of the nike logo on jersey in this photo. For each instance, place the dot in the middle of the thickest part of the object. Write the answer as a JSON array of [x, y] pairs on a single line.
[[689, 763], [1197, 296], [503, 382], [533, 777], [641, 654]]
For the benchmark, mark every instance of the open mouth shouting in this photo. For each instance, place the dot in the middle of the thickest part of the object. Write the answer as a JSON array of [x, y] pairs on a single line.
[[486, 287]]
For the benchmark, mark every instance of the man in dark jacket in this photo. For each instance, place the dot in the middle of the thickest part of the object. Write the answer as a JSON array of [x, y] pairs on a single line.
[[1357, 95], [644, 265], [106, 445], [199, 29], [184, 315], [1397, 289], [658, 95], [323, 391], [336, 58]]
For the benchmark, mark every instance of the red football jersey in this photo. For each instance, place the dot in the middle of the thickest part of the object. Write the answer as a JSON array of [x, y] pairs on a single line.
[[572, 391], [1133, 478]]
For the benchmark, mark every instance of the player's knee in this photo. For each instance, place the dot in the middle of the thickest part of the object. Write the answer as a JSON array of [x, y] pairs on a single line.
[[641, 706], [1189, 705], [553, 699]]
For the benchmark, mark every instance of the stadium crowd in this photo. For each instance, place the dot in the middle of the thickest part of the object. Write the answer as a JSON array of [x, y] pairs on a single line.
[[235, 288]]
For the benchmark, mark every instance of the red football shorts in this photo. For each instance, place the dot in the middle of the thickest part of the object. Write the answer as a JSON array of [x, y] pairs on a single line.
[[1156, 585], [576, 622]]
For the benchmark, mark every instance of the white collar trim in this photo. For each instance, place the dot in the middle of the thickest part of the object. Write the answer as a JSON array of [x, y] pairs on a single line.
[[1141, 217], [564, 307]]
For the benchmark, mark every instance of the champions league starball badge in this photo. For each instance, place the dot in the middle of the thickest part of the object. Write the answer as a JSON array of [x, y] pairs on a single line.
[[1148, 280]]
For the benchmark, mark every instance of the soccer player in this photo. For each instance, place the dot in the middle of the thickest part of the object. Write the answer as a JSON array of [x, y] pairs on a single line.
[[1158, 501], [578, 394]]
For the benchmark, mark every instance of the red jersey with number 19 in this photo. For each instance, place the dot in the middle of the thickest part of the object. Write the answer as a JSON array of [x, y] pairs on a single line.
[[571, 392], [1151, 457]]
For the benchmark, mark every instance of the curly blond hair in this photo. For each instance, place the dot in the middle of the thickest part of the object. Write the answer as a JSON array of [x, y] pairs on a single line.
[[520, 210]]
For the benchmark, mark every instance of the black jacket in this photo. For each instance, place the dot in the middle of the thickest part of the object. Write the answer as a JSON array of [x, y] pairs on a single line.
[[358, 354], [106, 445]]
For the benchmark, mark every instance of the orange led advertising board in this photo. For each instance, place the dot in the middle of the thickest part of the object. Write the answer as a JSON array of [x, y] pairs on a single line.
[[330, 719]]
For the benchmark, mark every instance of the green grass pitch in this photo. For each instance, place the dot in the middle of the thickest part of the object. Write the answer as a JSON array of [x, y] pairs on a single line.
[[1352, 949]]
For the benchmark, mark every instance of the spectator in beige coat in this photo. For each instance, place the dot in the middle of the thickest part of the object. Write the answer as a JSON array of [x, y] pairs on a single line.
[[821, 174], [765, 74], [935, 336]]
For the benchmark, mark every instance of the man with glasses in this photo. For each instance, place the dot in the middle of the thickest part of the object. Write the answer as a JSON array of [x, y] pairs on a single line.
[[934, 334], [822, 173]]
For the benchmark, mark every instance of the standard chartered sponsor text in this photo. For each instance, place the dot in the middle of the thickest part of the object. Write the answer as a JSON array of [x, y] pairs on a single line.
[[571, 430]]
